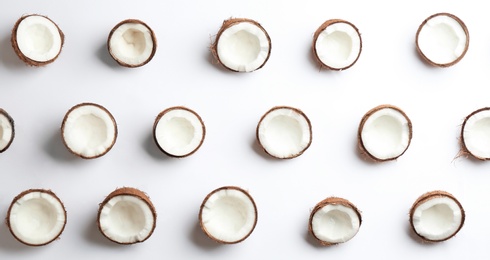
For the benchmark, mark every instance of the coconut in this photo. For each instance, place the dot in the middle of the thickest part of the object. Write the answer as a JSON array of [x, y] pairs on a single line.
[[36, 217], [127, 216], [436, 216], [89, 130], [337, 44], [385, 132], [132, 43], [442, 40], [284, 132], [334, 220], [228, 215], [475, 134], [37, 40], [7, 130], [241, 45], [178, 131]]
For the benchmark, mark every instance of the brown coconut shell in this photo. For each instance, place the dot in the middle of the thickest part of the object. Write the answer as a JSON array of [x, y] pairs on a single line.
[[361, 146], [203, 228], [22, 194], [464, 149], [63, 130], [443, 65], [295, 110], [11, 121], [330, 201], [153, 38], [24, 58], [128, 191], [227, 24], [161, 114], [431, 195], [320, 30]]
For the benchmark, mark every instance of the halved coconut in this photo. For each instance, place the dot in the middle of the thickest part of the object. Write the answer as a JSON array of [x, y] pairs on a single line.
[[37, 40], [132, 43], [179, 131], [337, 44], [384, 133], [334, 220], [127, 216], [436, 216], [228, 215], [475, 134], [36, 217], [442, 40], [89, 130], [284, 132], [242, 45], [7, 130]]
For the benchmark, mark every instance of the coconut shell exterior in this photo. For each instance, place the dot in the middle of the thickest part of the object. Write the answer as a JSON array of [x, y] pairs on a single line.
[[464, 148], [22, 194], [203, 228], [11, 121], [431, 195], [24, 58], [443, 65]]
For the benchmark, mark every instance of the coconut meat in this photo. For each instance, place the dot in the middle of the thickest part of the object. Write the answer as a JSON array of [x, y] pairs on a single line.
[[6, 131], [338, 45], [131, 43], [38, 38], [243, 47], [476, 134], [335, 223]]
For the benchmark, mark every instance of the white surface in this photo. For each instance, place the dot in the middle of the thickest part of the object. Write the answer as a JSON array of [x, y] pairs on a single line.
[[388, 71]]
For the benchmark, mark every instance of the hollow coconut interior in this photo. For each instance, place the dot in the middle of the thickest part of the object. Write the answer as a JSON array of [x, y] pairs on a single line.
[[335, 223], [38, 38], [338, 45], [476, 134], [6, 131], [132, 43]]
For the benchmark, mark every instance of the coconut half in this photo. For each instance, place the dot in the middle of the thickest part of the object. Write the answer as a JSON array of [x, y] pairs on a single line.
[[436, 216], [36, 217], [337, 44], [385, 132], [475, 134], [242, 45], [7, 130], [442, 40], [132, 43], [37, 40], [228, 215], [127, 216], [89, 130], [334, 220], [284, 132], [178, 131]]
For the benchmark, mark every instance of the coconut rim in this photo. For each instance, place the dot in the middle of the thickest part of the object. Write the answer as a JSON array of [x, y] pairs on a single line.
[[24, 58], [463, 26], [157, 120], [201, 223], [22, 194], [153, 39], [464, 148], [321, 29], [227, 24], [11, 121]]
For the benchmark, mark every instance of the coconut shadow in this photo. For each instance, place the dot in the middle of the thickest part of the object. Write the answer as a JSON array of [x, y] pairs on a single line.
[[416, 239], [313, 242], [9, 244], [104, 56], [200, 239], [8, 56], [257, 148], [92, 234], [56, 149], [151, 149]]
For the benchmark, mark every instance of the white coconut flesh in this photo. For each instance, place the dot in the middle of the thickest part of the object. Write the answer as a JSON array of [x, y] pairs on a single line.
[[284, 132], [442, 39], [89, 130], [132, 44], [335, 223], [386, 134], [228, 215], [6, 132], [437, 219], [126, 219], [179, 132], [476, 134], [37, 218], [243, 47], [38, 38], [338, 46]]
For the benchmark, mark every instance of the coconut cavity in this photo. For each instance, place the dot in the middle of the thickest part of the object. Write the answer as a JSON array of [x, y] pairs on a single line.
[[7, 130], [89, 130], [37, 40], [442, 40], [242, 45], [284, 132], [337, 44], [228, 215], [178, 131], [384, 133], [36, 217], [475, 134], [132, 43], [436, 216]]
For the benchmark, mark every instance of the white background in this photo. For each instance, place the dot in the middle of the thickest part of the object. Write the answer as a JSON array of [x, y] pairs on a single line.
[[183, 72]]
